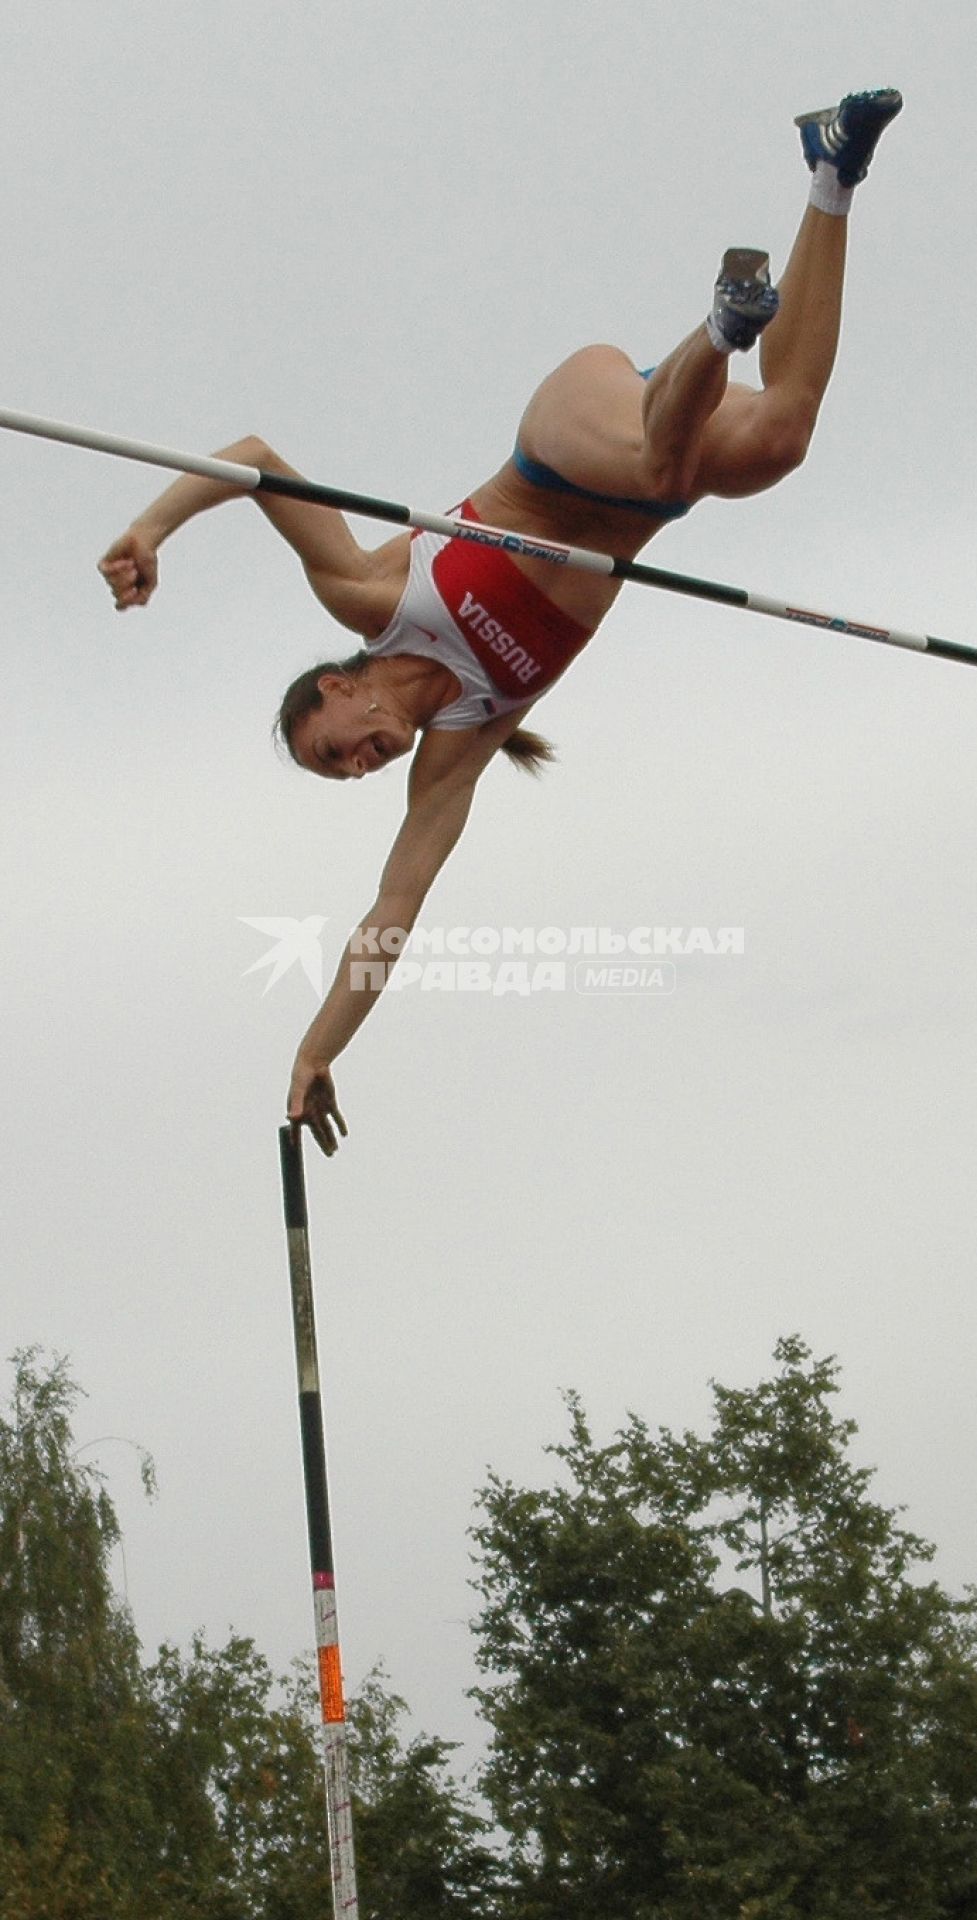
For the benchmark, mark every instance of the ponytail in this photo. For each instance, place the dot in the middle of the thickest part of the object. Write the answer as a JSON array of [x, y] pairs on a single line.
[[529, 750]]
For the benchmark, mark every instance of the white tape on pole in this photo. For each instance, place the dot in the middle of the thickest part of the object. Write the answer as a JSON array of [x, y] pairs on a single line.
[[836, 623], [229, 470]]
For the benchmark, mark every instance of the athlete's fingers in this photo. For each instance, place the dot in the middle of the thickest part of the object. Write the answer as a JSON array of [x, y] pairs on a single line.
[[323, 1135], [322, 1119], [329, 1125], [312, 1103]]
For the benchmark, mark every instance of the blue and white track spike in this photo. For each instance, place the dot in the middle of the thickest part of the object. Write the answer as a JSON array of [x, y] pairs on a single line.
[[846, 136]]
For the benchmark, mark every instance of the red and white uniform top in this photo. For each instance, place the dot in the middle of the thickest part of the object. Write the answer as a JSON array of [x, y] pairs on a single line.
[[470, 607]]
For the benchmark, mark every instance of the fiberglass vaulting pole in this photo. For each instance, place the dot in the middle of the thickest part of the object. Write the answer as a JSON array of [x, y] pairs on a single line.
[[334, 1746], [255, 480]]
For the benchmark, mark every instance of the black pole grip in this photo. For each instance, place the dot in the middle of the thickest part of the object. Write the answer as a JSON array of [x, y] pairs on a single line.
[[293, 1178]]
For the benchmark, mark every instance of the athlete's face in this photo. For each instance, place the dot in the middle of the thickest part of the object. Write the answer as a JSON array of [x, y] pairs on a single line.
[[352, 733]]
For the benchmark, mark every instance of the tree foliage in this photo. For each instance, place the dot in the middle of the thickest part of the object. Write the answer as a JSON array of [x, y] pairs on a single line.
[[667, 1744], [190, 1788], [720, 1684], [75, 1814], [420, 1845]]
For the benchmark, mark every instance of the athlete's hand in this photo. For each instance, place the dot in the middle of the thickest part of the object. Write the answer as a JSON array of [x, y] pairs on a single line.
[[312, 1103], [130, 570]]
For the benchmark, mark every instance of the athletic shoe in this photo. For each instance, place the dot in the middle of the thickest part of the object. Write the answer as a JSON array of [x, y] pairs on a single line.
[[745, 302], [846, 136]]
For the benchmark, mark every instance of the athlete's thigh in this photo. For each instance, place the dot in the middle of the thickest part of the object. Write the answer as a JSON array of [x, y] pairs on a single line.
[[585, 421], [735, 452]]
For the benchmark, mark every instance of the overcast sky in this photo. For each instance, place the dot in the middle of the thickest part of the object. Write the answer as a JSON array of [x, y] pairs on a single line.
[[366, 233]]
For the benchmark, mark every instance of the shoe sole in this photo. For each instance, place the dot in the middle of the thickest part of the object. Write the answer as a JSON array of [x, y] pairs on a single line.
[[745, 263], [748, 269], [869, 116], [883, 106]]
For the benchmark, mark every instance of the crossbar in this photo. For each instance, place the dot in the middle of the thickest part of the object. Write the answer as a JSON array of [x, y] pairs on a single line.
[[530, 546]]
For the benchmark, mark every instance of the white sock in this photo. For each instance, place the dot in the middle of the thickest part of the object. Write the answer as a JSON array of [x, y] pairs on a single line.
[[717, 339], [827, 192]]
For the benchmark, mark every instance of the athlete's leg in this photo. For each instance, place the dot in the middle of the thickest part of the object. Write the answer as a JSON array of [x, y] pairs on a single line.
[[755, 438], [687, 432], [688, 391], [599, 424], [678, 402]]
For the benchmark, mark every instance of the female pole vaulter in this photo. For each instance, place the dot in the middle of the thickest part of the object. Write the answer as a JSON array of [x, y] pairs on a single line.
[[461, 640]]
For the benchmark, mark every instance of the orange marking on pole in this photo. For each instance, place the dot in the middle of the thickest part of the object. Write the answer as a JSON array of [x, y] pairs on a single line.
[[331, 1685]]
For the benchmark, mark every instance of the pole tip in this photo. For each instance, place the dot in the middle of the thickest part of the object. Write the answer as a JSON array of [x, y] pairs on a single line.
[[293, 1177]]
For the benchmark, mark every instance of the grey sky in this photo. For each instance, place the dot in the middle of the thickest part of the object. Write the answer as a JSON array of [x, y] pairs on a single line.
[[367, 233]]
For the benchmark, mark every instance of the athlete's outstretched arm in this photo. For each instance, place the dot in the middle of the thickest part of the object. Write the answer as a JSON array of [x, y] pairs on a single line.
[[336, 566], [444, 775]]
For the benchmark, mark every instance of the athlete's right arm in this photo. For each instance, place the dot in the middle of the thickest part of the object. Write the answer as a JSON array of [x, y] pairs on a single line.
[[446, 770], [337, 568]]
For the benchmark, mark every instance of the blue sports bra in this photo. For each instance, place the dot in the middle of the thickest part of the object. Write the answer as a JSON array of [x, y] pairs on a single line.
[[539, 475]]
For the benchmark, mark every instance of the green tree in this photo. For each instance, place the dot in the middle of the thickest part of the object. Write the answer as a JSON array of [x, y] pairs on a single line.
[[232, 1775], [192, 1788], [421, 1847], [238, 1783], [667, 1745], [75, 1816]]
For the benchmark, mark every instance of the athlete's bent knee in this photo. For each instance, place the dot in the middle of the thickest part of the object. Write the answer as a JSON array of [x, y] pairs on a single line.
[[791, 451], [785, 439]]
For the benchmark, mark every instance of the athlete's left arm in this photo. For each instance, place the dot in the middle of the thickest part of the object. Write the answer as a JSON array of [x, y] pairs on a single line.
[[445, 773]]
